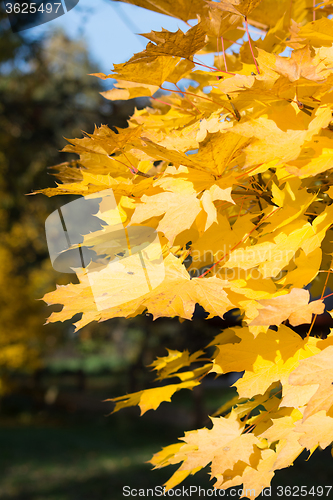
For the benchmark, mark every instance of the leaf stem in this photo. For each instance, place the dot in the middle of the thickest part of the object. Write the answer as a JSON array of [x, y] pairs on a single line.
[[168, 104], [330, 294], [241, 208], [188, 99], [132, 168], [202, 97], [247, 173], [214, 69], [218, 54], [264, 414], [249, 38], [224, 58]]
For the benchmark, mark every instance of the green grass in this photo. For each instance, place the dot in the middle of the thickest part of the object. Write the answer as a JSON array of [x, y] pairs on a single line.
[[78, 461], [95, 460], [53, 455]]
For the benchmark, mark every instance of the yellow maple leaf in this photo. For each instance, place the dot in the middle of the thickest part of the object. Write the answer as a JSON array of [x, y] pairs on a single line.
[[304, 269], [269, 12], [316, 370], [278, 138], [317, 33], [157, 152], [183, 9], [243, 7], [294, 306], [288, 450], [254, 479], [178, 298], [276, 426], [268, 358], [175, 44], [152, 71], [170, 364], [103, 140], [150, 399], [297, 396], [217, 22], [299, 65], [316, 430], [224, 445], [314, 158], [172, 206], [280, 427], [129, 90], [221, 151], [218, 241]]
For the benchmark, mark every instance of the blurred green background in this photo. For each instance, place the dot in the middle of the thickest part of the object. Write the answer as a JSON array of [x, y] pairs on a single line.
[[56, 440]]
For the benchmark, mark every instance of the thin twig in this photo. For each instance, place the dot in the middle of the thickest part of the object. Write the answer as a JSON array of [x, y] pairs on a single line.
[[188, 100], [321, 297], [249, 171]]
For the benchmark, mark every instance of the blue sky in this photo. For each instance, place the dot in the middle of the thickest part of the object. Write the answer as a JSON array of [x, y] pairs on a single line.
[[109, 28]]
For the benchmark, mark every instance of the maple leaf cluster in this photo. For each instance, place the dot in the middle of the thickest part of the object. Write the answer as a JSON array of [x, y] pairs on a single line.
[[233, 172]]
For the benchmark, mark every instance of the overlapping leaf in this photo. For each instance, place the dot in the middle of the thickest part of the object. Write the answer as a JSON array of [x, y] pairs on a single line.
[[294, 306], [317, 370], [268, 358]]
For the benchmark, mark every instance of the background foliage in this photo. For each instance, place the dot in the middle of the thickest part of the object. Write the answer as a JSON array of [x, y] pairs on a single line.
[[46, 94]]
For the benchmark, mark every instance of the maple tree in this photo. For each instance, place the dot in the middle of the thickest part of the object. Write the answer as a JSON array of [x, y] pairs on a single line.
[[234, 174]]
